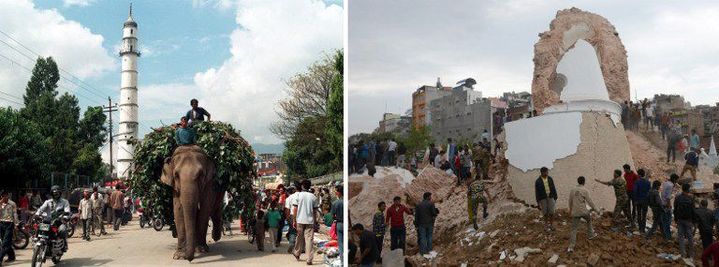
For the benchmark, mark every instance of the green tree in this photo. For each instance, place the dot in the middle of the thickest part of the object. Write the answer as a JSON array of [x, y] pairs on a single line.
[[335, 109], [418, 139], [22, 149], [72, 144]]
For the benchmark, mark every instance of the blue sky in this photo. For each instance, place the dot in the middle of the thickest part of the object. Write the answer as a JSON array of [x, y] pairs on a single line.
[[233, 55]]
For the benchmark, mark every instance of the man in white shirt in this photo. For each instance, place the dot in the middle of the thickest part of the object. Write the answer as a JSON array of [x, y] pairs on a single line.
[[98, 204], [391, 152], [85, 209], [305, 207]]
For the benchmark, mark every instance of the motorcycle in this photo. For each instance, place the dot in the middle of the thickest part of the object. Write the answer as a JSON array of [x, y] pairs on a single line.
[[144, 217], [71, 224], [47, 239], [21, 236], [158, 222]]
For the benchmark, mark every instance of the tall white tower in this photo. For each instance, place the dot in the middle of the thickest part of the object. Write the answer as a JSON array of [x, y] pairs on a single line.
[[129, 53]]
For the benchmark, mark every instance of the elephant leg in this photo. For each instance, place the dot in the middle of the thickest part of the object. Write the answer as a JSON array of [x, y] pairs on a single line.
[[217, 218], [180, 227], [203, 218]]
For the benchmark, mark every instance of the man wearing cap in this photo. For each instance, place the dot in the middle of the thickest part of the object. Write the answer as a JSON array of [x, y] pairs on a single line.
[[8, 219], [85, 209]]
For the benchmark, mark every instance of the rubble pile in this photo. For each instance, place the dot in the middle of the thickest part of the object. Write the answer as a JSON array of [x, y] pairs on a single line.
[[519, 239]]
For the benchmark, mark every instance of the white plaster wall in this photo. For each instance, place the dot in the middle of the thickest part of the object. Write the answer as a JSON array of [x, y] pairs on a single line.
[[603, 148], [538, 141], [584, 76]]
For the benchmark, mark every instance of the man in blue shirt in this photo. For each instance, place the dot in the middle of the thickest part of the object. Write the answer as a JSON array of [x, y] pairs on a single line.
[[196, 113], [185, 135], [694, 140], [692, 163]]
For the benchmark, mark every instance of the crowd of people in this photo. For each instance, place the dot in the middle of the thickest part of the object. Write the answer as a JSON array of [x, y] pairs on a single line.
[[302, 208], [636, 193]]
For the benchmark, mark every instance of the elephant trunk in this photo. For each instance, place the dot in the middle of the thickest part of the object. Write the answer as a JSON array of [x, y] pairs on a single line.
[[190, 198]]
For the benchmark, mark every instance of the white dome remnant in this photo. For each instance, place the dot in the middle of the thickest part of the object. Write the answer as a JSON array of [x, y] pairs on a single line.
[[580, 83], [584, 79]]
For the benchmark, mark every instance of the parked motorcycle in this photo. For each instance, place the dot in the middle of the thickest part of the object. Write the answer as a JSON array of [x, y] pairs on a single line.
[[144, 217], [48, 238], [21, 236], [158, 222], [71, 224]]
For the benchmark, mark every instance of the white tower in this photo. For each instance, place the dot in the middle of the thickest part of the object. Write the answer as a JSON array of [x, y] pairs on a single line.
[[129, 53]]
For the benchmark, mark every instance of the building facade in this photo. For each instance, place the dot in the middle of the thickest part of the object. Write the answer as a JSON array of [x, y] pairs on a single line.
[[394, 123], [128, 128], [421, 99], [462, 115]]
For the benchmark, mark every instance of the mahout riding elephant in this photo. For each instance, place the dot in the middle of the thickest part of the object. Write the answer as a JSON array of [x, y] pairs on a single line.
[[195, 199]]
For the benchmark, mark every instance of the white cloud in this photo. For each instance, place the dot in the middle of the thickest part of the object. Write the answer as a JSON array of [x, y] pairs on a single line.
[[219, 4], [74, 47], [274, 40], [68, 3]]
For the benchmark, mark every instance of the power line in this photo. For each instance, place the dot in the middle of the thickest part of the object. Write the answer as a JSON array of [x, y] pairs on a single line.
[[61, 69], [9, 100], [10, 95], [13, 62]]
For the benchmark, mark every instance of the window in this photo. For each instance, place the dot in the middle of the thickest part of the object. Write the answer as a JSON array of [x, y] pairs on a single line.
[[130, 48], [131, 31]]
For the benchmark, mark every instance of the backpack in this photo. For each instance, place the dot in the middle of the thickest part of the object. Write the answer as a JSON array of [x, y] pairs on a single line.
[[684, 208], [653, 194]]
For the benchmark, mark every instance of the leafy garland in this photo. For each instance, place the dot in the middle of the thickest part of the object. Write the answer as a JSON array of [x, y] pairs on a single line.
[[232, 155]]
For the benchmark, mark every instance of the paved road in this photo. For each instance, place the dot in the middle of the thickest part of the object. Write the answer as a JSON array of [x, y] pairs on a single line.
[[133, 246]]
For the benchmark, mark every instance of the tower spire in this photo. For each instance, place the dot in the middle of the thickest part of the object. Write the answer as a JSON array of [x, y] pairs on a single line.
[[130, 9]]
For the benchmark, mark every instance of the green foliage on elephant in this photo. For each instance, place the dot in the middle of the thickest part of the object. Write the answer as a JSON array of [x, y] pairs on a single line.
[[232, 155]]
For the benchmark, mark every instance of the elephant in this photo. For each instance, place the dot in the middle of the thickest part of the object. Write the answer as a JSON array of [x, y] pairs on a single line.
[[195, 199]]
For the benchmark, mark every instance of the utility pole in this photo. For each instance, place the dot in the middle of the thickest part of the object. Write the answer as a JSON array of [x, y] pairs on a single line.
[[110, 108]]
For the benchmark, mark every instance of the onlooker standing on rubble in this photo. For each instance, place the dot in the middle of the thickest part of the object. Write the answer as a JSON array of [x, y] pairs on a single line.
[[654, 200], [622, 205], [640, 197], [477, 194], [685, 217], [579, 199], [395, 219], [424, 216], [630, 177], [391, 152], [546, 195], [451, 152], [667, 195], [692, 164], [673, 139], [694, 140], [705, 223], [379, 227]]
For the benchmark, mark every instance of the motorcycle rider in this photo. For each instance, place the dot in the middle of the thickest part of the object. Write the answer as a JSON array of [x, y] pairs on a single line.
[[53, 204]]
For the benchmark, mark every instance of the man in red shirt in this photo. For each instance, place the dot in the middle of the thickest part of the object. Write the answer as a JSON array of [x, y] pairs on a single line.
[[631, 177], [395, 219]]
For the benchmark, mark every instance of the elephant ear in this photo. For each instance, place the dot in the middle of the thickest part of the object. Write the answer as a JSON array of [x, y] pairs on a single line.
[[167, 173]]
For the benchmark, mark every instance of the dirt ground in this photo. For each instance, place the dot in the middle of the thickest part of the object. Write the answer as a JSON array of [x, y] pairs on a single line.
[[133, 246]]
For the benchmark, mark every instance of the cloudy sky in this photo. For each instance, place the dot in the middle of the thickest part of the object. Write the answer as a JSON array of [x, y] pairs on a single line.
[[232, 55], [397, 46]]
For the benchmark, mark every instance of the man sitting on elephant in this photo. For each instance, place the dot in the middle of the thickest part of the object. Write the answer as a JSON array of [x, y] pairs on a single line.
[[185, 135]]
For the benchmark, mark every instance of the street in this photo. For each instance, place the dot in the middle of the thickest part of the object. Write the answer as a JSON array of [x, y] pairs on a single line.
[[134, 246]]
